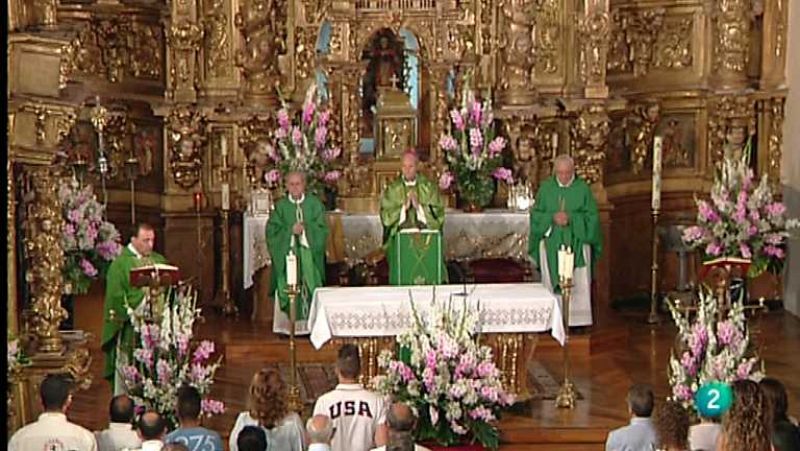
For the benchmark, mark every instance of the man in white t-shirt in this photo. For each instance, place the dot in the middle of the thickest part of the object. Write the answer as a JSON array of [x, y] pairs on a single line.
[[52, 431], [402, 422], [358, 415], [120, 433]]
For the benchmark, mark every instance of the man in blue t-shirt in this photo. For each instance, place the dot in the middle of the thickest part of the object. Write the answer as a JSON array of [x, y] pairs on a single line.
[[190, 433]]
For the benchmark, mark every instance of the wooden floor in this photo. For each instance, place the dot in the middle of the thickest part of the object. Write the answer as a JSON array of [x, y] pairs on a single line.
[[602, 369]]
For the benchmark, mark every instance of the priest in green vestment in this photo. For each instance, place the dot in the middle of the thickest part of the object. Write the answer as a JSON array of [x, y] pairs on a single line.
[[565, 213], [119, 338], [410, 202], [297, 224]]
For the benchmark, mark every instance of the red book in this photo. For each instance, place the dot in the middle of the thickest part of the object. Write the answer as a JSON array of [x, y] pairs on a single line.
[[157, 274]]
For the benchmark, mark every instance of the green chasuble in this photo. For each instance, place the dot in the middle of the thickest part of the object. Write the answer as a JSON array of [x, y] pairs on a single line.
[[392, 200], [119, 295], [578, 202], [309, 248]]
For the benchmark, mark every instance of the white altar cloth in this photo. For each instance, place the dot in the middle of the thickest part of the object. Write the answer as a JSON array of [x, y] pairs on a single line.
[[255, 254], [386, 310]]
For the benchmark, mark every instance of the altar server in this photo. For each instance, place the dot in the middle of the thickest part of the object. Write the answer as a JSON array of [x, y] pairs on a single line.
[[565, 214], [297, 225]]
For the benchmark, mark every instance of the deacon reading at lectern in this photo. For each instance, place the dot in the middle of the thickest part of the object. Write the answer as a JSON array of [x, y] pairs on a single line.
[[411, 202], [565, 214], [296, 229], [119, 339]]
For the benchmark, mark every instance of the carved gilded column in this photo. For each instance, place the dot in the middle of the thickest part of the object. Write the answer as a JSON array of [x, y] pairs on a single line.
[[516, 43], [641, 125], [46, 260], [13, 327], [184, 42], [731, 50], [772, 117], [593, 32], [259, 22], [220, 76], [439, 113], [185, 138], [773, 47], [589, 139]]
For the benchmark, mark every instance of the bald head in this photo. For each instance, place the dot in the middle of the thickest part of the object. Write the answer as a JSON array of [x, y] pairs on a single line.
[[564, 168], [410, 160], [320, 429], [151, 426], [401, 418], [296, 184], [121, 409]]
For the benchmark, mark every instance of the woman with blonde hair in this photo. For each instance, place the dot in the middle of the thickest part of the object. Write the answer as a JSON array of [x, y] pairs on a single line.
[[267, 408], [746, 425]]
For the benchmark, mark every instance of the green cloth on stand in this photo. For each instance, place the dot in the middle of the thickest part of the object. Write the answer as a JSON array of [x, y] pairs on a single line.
[[416, 258], [310, 259], [578, 202], [392, 201], [119, 295]]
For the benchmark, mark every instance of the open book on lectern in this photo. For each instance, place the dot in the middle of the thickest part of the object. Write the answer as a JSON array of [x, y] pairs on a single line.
[[418, 231], [159, 273]]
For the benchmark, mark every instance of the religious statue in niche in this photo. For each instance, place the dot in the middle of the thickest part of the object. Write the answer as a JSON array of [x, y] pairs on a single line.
[[145, 147], [677, 149], [216, 25], [356, 178], [518, 43], [735, 139], [259, 159], [526, 161], [385, 71], [259, 60]]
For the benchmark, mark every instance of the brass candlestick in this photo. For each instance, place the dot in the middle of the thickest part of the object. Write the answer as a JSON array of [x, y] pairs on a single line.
[[294, 402], [653, 318], [132, 170], [566, 397]]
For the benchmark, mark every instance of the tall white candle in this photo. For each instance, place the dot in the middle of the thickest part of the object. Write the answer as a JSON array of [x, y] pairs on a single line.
[[223, 145], [561, 262], [291, 269], [226, 196], [658, 143], [555, 144], [569, 266]]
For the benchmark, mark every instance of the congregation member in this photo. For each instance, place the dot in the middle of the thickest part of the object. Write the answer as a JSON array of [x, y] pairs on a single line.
[[402, 424], [565, 214], [175, 447], [671, 423], [190, 433], [120, 433], [704, 436], [252, 438], [785, 434], [152, 429], [119, 339], [268, 408], [358, 415], [320, 432], [52, 430], [296, 225], [745, 426], [639, 435]]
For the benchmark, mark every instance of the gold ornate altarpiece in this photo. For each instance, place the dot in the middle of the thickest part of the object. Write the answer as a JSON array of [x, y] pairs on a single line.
[[597, 79]]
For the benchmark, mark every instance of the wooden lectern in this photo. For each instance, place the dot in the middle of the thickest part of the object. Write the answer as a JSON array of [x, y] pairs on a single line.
[[154, 279], [418, 255]]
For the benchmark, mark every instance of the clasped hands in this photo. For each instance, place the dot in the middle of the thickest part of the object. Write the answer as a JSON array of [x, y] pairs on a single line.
[[561, 218], [298, 228], [411, 200]]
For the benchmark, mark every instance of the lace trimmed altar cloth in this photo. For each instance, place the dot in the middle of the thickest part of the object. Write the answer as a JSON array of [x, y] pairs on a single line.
[[386, 310]]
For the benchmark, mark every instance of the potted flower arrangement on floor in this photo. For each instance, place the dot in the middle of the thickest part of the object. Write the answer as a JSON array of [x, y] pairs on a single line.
[[449, 379], [305, 146], [473, 154], [164, 359], [90, 242], [742, 220], [713, 346]]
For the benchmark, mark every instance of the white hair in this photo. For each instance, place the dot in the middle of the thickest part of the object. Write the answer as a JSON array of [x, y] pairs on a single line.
[[564, 158], [323, 435], [301, 174]]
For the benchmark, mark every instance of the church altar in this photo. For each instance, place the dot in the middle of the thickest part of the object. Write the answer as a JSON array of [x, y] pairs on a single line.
[[512, 315], [491, 234]]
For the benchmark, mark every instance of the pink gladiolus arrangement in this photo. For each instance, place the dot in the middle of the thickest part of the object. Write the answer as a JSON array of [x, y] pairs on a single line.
[[473, 152], [445, 181], [90, 242], [742, 220], [446, 376], [710, 349], [306, 146], [163, 360]]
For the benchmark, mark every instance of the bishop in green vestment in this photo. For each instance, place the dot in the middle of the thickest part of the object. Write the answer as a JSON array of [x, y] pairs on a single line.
[[412, 201], [119, 338], [565, 213], [298, 224]]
